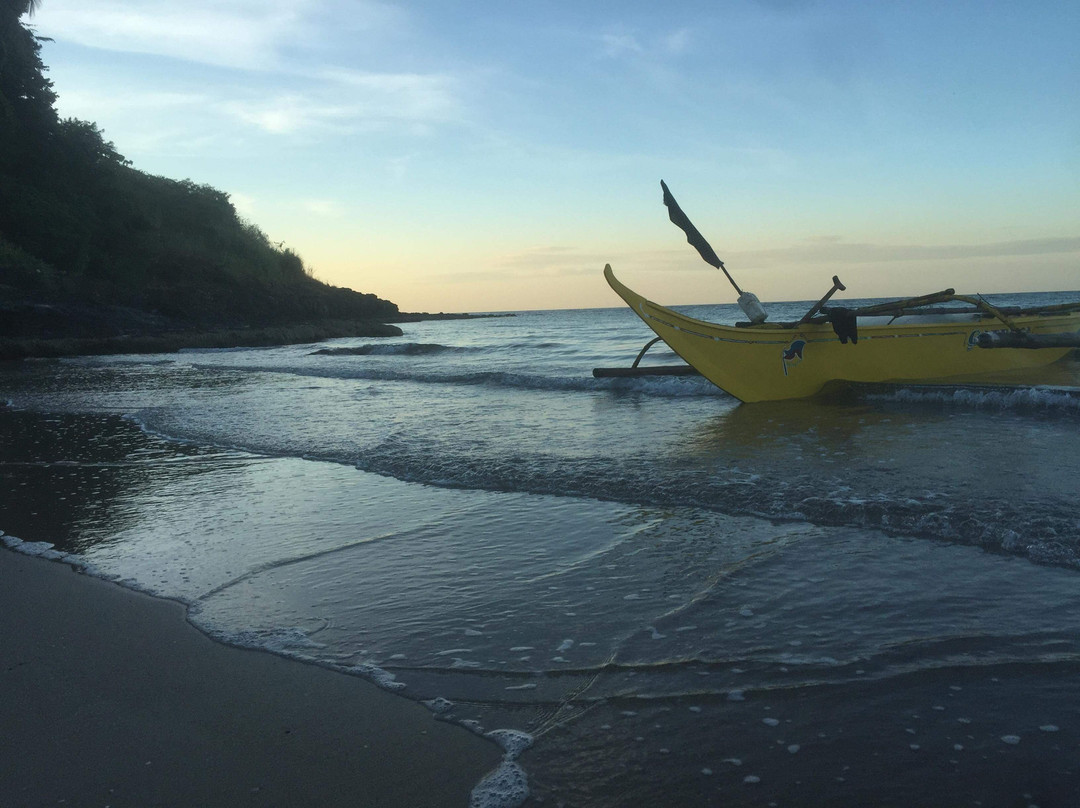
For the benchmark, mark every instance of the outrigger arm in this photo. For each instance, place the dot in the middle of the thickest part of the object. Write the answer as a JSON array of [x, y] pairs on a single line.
[[634, 371]]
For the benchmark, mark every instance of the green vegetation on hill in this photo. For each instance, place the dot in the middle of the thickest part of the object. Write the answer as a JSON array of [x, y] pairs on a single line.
[[92, 247]]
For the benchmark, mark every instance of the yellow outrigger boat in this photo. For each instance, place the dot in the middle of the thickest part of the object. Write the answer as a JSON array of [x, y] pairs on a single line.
[[899, 341], [767, 362]]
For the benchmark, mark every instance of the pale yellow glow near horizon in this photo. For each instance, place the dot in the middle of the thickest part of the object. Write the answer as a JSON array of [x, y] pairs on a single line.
[[429, 263], [421, 279]]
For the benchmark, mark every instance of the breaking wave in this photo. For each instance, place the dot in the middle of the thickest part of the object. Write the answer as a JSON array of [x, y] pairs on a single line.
[[665, 387], [1043, 532], [391, 349], [1037, 399]]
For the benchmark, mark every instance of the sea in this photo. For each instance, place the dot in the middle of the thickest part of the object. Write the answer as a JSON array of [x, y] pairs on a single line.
[[644, 591]]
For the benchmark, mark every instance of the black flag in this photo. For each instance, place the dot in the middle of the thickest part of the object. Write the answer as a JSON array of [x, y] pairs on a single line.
[[697, 241], [748, 302]]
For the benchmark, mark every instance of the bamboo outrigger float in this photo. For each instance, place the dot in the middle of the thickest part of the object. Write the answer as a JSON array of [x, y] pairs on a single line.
[[912, 340]]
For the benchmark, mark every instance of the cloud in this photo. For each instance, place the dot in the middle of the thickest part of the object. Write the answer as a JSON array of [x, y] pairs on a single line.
[[343, 99], [618, 43], [550, 261], [829, 249], [615, 45], [677, 41], [326, 208], [290, 67], [818, 250], [283, 114], [149, 121], [91, 103], [187, 121], [261, 35], [412, 96], [231, 34]]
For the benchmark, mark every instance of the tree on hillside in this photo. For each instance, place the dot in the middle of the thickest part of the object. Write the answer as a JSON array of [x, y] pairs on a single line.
[[26, 7], [18, 8], [26, 97]]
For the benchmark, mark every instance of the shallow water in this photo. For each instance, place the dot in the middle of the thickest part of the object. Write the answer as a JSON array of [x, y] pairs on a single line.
[[637, 573]]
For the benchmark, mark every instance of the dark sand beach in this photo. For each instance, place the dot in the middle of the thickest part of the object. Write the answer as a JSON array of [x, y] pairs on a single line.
[[111, 698]]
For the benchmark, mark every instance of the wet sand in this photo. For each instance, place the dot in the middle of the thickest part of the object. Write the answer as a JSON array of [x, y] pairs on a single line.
[[109, 697]]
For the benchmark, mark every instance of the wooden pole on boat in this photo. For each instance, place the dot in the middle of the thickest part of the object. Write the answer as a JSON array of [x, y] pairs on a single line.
[[980, 303], [748, 301], [836, 287], [944, 296]]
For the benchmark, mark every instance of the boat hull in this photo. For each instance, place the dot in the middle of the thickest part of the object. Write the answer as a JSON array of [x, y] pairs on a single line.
[[764, 363]]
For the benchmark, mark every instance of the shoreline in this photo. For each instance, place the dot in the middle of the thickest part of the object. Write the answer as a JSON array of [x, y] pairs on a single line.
[[16, 348], [122, 701]]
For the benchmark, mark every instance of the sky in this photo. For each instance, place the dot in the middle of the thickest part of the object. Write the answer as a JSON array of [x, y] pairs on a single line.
[[494, 156]]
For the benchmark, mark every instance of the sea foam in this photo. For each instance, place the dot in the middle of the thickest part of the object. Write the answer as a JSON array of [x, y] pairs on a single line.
[[508, 785]]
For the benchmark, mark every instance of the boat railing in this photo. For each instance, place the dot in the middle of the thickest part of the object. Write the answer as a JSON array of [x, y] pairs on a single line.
[[928, 305]]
